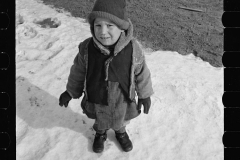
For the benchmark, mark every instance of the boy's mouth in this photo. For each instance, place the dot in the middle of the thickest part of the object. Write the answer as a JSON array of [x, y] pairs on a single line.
[[104, 38]]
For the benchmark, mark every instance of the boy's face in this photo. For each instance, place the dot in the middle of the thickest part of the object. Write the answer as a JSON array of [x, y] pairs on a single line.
[[106, 32]]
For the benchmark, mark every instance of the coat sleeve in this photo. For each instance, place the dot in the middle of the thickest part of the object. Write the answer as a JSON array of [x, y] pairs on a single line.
[[143, 80], [76, 79]]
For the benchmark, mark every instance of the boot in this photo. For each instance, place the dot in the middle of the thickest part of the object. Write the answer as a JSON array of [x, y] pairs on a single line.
[[98, 144], [124, 141]]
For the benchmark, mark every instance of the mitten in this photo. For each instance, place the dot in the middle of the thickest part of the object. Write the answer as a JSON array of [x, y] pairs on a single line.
[[146, 102], [64, 99]]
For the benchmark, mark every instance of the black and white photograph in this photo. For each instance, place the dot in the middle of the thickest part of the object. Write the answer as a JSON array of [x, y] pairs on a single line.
[[119, 80]]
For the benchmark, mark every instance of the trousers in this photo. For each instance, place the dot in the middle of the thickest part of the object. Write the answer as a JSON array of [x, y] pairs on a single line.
[[121, 130]]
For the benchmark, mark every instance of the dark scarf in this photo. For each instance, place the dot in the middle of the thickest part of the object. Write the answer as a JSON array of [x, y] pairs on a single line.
[[109, 63], [118, 71]]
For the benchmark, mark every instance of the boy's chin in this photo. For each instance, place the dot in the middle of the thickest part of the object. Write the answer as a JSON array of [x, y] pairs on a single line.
[[105, 43], [108, 42]]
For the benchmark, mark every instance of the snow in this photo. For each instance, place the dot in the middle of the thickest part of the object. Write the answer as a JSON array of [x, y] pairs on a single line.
[[185, 121]]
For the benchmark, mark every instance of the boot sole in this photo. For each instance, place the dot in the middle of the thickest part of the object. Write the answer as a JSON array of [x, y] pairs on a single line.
[[97, 151]]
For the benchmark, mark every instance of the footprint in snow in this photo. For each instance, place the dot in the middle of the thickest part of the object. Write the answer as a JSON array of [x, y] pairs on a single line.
[[49, 23]]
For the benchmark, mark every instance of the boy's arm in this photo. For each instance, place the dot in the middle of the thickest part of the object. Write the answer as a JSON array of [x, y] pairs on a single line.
[[143, 81], [75, 84]]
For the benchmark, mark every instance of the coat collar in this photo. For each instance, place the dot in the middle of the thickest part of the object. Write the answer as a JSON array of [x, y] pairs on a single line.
[[124, 39]]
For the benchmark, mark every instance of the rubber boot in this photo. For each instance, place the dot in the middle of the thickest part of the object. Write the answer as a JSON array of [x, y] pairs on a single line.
[[98, 144], [124, 141]]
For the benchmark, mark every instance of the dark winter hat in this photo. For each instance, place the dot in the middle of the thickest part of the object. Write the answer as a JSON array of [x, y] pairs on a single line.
[[114, 10]]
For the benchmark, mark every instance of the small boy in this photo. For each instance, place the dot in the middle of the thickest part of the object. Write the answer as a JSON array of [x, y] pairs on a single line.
[[109, 68]]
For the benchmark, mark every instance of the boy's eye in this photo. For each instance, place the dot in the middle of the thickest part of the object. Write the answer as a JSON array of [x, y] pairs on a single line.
[[109, 25]]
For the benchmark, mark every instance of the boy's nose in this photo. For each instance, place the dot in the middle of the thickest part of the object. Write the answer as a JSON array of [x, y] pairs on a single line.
[[104, 30]]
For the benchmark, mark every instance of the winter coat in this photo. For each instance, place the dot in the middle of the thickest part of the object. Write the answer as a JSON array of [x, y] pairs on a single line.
[[140, 79]]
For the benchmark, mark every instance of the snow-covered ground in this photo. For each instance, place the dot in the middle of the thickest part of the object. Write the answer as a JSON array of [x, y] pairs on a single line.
[[185, 120]]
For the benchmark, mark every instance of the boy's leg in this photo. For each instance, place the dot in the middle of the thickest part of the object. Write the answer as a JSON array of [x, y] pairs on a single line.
[[123, 139], [100, 138], [121, 130]]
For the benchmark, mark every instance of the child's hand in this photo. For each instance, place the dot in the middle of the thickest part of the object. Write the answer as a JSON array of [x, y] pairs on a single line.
[[64, 99], [146, 104]]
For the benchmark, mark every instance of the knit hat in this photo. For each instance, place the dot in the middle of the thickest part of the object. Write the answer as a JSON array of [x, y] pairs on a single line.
[[114, 10]]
